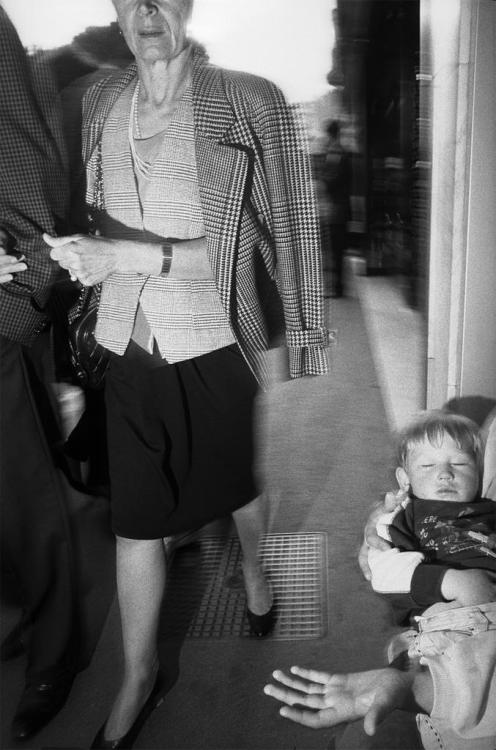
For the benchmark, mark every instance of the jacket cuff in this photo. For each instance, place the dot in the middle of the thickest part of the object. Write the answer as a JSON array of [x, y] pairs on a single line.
[[426, 583], [298, 338], [308, 361]]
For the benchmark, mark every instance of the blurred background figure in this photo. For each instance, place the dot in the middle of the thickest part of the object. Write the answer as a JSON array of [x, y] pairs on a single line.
[[336, 176]]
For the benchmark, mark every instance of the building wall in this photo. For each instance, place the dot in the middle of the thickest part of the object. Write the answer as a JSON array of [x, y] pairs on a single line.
[[478, 355], [459, 40]]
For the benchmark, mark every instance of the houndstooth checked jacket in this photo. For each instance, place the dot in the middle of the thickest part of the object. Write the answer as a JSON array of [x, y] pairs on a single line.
[[33, 183], [258, 209]]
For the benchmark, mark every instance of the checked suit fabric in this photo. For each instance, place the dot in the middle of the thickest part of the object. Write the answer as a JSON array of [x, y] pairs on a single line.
[[258, 210], [33, 182]]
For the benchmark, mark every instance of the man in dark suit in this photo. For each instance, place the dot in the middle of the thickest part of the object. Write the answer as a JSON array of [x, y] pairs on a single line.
[[35, 535]]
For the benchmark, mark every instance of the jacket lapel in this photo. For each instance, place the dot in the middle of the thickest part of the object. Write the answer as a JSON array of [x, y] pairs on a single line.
[[221, 175], [98, 106], [222, 172]]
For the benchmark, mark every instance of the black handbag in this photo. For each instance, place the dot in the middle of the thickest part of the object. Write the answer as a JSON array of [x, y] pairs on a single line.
[[89, 358]]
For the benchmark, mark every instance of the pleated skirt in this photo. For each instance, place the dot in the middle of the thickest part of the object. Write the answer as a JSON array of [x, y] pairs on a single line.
[[180, 440]]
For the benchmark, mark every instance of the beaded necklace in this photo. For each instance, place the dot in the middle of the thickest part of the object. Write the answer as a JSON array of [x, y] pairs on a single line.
[[143, 167]]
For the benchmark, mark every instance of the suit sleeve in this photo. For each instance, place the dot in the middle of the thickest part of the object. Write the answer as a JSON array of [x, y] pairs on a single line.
[[33, 186], [296, 234]]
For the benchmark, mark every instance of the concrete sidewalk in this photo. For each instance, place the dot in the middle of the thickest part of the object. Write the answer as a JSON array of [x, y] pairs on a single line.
[[325, 456]]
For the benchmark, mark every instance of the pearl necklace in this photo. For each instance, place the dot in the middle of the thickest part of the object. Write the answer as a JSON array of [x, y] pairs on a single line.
[[140, 165], [134, 109]]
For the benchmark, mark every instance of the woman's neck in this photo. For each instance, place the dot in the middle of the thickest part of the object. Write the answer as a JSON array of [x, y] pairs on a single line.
[[163, 82]]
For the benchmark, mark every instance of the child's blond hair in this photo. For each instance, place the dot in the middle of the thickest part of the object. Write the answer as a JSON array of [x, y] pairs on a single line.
[[432, 426]]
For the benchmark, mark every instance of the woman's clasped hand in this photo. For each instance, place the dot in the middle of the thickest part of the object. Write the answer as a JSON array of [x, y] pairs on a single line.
[[91, 258]]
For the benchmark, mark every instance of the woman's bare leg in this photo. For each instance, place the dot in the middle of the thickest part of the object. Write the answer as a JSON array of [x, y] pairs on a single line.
[[251, 524], [141, 573]]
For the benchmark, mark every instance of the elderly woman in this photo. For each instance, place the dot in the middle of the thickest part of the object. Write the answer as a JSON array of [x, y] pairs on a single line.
[[207, 250]]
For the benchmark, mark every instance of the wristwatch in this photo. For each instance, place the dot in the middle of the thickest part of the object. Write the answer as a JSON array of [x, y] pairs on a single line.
[[166, 257]]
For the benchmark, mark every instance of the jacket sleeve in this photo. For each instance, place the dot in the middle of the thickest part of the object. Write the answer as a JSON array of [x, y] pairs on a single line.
[[401, 574], [295, 232], [426, 584], [406, 581], [33, 185], [392, 570]]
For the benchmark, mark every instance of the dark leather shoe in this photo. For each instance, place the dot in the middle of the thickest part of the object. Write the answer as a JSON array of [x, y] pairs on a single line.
[[127, 741], [39, 703], [261, 625], [12, 645]]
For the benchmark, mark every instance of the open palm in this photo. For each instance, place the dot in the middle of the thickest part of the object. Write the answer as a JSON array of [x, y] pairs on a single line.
[[318, 699]]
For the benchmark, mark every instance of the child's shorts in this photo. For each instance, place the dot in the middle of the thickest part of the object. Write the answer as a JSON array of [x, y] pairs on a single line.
[[459, 647]]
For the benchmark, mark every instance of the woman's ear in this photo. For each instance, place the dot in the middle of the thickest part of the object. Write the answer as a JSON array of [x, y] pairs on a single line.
[[402, 479]]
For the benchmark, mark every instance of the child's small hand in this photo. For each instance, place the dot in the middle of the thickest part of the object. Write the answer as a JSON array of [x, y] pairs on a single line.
[[325, 700], [394, 498]]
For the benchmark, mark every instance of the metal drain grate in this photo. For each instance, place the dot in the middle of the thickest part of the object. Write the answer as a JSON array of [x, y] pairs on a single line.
[[205, 596]]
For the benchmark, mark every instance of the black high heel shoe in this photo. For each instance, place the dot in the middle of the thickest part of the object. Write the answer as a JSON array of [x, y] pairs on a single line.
[[261, 625], [126, 742]]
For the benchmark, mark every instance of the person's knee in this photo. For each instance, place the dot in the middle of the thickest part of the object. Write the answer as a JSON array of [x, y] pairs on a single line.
[[253, 513], [126, 544], [468, 587]]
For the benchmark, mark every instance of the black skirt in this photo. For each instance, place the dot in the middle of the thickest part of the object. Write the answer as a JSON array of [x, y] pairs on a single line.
[[180, 440]]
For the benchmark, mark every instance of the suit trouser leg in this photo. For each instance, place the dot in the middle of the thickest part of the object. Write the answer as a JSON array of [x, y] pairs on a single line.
[[35, 536]]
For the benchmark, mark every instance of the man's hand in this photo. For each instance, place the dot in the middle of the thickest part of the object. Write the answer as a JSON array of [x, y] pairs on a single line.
[[370, 535], [325, 700], [10, 264]]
